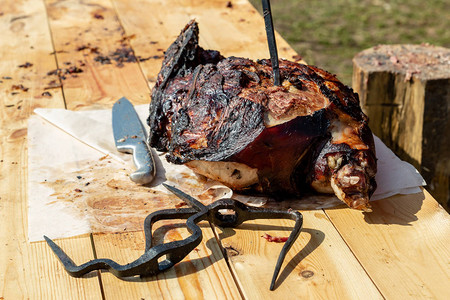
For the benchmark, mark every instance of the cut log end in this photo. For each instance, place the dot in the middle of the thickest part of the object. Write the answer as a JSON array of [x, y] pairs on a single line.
[[424, 61], [405, 92]]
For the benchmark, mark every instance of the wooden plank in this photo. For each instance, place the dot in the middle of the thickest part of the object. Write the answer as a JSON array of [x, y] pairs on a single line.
[[402, 244], [28, 270], [205, 273], [88, 36], [152, 32], [318, 266], [33, 272], [237, 31]]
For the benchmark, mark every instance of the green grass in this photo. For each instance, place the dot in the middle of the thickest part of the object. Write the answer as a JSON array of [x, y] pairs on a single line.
[[329, 33]]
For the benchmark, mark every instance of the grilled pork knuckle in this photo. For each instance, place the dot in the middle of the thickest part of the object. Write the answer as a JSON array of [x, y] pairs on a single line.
[[224, 118]]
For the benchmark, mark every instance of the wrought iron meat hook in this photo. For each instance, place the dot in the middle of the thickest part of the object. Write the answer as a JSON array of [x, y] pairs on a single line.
[[175, 251]]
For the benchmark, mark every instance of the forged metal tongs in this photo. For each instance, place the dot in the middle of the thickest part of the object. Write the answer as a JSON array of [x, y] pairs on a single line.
[[175, 251]]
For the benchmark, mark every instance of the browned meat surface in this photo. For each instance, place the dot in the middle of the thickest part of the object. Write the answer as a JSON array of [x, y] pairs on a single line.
[[224, 118]]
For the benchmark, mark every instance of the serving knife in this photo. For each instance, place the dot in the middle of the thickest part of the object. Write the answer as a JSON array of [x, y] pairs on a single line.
[[130, 137]]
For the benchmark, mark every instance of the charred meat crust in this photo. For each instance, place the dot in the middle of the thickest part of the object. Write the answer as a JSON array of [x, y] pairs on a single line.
[[179, 62], [308, 131]]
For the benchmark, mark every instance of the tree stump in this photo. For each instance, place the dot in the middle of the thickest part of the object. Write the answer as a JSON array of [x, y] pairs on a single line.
[[405, 91]]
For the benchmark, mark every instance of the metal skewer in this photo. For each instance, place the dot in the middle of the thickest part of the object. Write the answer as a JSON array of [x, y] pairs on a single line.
[[267, 13]]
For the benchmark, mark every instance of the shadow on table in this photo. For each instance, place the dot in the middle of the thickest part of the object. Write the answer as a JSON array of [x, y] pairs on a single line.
[[191, 266], [186, 266], [316, 238], [398, 210]]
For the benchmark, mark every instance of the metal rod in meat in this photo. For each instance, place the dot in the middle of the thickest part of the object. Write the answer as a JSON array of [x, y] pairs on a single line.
[[271, 41]]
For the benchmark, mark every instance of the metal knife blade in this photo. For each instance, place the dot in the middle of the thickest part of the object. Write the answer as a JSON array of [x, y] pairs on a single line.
[[130, 137]]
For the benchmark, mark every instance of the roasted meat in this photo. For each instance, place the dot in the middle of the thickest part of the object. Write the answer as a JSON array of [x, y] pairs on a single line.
[[224, 118]]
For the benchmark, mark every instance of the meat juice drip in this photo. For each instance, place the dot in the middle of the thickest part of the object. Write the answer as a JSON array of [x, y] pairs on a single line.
[[224, 118]]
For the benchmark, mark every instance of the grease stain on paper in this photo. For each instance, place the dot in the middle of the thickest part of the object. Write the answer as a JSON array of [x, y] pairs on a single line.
[[102, 192]]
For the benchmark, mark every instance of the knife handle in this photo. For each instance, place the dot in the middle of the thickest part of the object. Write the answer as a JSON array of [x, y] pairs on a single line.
[[143, 160]]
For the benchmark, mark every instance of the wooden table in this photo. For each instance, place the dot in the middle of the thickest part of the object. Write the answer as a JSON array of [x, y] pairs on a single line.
[[399, 251]]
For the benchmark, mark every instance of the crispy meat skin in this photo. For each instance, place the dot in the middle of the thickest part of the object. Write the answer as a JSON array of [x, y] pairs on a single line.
[[308, 132]]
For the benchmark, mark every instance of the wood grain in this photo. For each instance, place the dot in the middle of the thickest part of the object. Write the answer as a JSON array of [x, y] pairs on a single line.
[[88, 35], [318, 266], [151, 35], [28, 270], [203, 274], [399, 251], [237, 31], [402, 244]]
